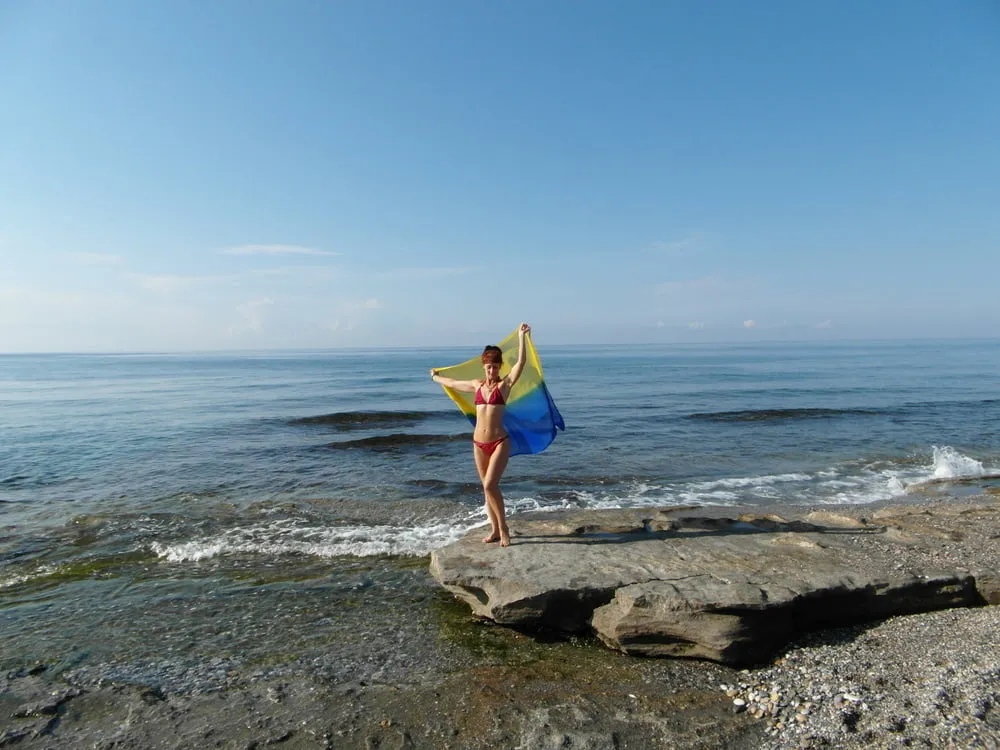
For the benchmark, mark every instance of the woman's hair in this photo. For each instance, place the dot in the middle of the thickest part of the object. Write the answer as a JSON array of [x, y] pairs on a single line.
[[492, 355]]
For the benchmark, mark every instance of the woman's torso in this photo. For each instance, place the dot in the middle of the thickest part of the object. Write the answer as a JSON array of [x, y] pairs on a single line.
[[490, 404]]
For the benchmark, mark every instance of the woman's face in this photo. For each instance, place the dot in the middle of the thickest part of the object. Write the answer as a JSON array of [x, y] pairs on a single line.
[[492, 370]]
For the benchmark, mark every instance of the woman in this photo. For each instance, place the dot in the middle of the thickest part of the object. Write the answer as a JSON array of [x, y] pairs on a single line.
[[491, 445]]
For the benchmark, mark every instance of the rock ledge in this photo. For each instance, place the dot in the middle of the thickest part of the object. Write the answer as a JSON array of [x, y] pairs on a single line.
[[686, 583]]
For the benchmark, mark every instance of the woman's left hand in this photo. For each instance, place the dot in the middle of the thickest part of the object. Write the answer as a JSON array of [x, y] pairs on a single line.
[[525, 328]]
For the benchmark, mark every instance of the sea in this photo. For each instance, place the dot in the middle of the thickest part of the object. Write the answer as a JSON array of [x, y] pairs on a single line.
[[172, 517]]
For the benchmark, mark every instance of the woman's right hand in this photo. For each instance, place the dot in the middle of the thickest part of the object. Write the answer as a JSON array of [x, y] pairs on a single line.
[[525, 328]]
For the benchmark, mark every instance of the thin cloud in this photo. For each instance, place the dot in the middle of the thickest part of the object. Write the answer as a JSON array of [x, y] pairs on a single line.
[[710, 300], [274, 250], [350, 314], [749, 323], [252, 315], [339, 325], [825, 324], [96, 259], [292, 271], [427, 273], [164, 284], [43, 300], [690, 241]]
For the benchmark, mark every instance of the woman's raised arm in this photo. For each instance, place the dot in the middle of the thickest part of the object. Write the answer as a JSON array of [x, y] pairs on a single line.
[[515, 371]]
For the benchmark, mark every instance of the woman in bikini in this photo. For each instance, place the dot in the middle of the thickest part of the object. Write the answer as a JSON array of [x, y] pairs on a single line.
[[491, 446]]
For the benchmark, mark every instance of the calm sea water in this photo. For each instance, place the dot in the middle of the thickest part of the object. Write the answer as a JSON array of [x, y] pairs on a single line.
[[131, 481]]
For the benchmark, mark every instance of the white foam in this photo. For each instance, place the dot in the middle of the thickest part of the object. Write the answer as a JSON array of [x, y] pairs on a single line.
[[873, 482], [950, 464], [883, 485], [837, 483], [719, 497], [528, 504], [896, 485], [17, 580], [761, 481], [288, 538]]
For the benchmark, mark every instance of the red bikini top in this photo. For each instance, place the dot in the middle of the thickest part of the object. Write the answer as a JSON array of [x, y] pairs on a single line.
[[496, 397]]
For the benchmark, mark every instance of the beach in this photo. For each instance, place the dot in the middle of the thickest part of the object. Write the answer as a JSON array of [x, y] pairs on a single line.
[[430, 675]]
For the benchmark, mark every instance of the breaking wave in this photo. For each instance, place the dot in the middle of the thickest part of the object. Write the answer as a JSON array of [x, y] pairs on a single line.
[[288, 537]]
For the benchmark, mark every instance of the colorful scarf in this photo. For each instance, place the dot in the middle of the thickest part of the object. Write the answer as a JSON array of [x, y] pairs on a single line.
[[531, 417]]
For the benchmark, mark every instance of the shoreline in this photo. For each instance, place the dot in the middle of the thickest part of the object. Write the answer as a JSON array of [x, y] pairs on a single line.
[[433, 677]]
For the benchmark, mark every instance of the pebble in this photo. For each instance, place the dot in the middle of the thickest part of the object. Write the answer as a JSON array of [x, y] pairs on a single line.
[[826, 695]]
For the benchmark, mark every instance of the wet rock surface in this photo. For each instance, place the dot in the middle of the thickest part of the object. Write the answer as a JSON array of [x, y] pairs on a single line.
[[683, 582], [513, 691]]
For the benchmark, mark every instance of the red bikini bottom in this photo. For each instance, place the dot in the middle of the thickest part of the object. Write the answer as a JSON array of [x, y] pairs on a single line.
[[488, 448]]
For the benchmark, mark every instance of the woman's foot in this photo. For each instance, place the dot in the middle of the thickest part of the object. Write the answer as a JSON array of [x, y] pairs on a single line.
[[505, 537], [494, 536]]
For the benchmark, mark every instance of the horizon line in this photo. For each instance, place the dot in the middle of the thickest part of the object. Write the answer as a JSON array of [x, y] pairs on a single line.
[[317, 349]]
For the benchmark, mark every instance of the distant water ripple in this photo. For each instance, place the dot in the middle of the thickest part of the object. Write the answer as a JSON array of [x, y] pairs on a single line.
[[363, 420], [768, 415], [397, 441]]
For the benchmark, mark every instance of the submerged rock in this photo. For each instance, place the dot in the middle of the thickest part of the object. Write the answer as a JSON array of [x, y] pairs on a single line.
[[682, 582]]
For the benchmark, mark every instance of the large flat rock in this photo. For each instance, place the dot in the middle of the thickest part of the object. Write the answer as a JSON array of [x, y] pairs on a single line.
[[692, 582]]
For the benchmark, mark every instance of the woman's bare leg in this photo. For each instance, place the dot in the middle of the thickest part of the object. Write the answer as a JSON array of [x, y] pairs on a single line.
[[491, 487], [482, 464]]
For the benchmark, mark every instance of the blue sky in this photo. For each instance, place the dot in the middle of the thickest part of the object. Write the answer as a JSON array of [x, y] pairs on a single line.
[[247, 175]]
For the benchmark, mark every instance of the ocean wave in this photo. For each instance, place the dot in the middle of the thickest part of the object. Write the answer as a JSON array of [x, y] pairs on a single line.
[[445, 488], [950, 464], [396, 441], [44, 477], [769, 415], [948, 403], [68, 571], [759, 481], [431, 484], [291, 538], [835, 486], [363, 420], [11, 580], [580, 479], [878, 483]]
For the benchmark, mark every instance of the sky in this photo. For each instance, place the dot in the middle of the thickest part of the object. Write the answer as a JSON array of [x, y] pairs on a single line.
[[244, 174]]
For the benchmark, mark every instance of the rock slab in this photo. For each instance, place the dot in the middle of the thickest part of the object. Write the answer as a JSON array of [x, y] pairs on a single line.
[[685, 582]]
